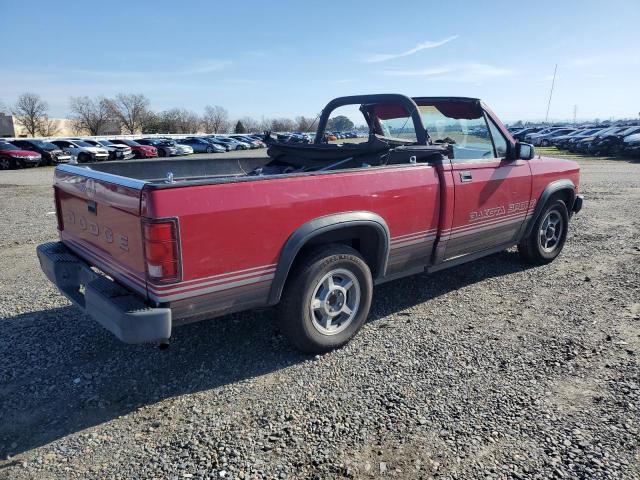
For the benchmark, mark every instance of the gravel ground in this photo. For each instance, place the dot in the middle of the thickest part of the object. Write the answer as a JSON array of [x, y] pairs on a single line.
[[489, 370]]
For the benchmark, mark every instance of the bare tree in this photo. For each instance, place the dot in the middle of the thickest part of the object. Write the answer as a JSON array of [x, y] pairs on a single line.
[[282, 125], [304, 124], [90, 115], [215, 119], [251, 124], [30, 112], [130, 110], [49, 127]]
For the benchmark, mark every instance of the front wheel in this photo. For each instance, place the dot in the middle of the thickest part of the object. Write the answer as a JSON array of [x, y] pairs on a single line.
[[209, 149], [7, 163], [548, 235], [544, 143], [326, 299]]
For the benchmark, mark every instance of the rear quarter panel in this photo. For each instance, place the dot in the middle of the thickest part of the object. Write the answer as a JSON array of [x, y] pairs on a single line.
[[233, 233], [546, 170]]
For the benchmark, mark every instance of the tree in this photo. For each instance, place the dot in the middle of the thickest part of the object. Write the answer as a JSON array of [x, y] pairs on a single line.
[[89, 115], [304, 124], [48, 127], [340, 123], [240, 127], [282, 125], [215, 119], [250, 124], [30, 112], [130, 110]]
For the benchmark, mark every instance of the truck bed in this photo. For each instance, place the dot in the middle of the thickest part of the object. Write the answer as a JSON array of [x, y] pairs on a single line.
[[161, 170]]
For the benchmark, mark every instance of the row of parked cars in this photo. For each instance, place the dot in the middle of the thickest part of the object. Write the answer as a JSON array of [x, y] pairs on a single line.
[[28, 152], [616, 140]]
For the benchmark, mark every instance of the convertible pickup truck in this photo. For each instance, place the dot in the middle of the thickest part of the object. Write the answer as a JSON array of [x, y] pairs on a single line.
[[149, 245]]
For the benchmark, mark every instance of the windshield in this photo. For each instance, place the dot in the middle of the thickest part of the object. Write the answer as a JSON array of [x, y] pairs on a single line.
[[8, 146], [464, 124], [629, 131], [106, 143], [82, 143]]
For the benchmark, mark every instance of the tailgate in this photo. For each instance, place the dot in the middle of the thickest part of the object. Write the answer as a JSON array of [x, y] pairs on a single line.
[[99, 219]]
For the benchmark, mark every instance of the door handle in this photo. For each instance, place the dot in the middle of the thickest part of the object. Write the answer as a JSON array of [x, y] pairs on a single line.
[[465, 176]]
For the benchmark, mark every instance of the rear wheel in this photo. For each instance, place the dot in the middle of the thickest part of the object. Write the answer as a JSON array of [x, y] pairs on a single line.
[[548, 235], [326, 299]]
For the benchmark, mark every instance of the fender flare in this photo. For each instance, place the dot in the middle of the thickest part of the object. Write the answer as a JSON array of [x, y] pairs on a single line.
[[307, 231], [552, 188]]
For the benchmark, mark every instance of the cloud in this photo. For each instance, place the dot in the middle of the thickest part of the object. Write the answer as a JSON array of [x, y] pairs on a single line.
[[465, 72], [343, 81], [206, 66], [382, 57]]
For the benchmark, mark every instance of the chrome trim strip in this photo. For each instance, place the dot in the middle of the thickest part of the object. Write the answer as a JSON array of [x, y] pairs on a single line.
[[181, 287], [220, 276], [212, 289], [102, 176]]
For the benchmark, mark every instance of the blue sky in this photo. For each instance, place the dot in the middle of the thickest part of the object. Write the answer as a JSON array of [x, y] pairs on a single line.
[[290, 58]]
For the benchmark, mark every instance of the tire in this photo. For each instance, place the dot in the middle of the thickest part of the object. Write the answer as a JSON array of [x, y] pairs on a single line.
[[545, 242], [84, 158], [7, 163], [238, 147], [308, 313], [209, 149], [544, 143], [161, 153]]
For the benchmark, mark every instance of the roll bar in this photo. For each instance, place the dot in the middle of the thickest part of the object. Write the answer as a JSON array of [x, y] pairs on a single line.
[[394, 98]]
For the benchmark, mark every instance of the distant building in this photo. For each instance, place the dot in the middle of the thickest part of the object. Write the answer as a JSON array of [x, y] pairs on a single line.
[[10, 128]]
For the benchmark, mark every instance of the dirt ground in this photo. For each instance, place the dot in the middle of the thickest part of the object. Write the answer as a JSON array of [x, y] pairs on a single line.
[[493, 369]]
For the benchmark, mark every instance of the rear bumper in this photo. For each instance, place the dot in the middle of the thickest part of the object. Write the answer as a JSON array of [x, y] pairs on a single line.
[[114, 307]]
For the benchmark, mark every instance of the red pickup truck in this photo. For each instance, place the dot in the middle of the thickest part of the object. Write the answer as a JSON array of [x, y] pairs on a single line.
[[149, 245]]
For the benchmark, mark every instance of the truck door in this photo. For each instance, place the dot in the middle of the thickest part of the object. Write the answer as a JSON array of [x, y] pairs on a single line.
[[492, 192]]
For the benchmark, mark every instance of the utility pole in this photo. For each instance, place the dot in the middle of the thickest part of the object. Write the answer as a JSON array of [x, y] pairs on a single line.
[[553, 82], [575, 113]]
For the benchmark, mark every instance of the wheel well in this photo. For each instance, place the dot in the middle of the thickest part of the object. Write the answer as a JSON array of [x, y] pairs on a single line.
[[566, 195], [365, 239]]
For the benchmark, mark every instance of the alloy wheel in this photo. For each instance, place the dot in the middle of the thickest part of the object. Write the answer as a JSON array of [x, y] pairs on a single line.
[[335, 301]]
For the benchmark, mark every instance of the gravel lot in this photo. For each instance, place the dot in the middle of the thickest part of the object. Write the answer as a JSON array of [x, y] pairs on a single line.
[[489, 370]]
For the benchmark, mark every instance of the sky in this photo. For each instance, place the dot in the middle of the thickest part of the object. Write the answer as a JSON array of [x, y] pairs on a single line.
[[283, 59]]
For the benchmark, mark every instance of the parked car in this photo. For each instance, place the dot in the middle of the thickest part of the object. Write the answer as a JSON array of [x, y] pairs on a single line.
[[632, 145], [612, 143], [215, 141], [83, 151], [181, 149], [262, 231], [563, 141], [12, 156], [51, 154], [252, 142], [583, 145], [200, 145], [164, 147], [233, 143], [545, 140], [521, 134], [139, 150], [116, 151]]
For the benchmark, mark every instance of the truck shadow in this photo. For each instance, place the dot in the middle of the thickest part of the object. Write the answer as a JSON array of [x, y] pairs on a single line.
[[61, 373]]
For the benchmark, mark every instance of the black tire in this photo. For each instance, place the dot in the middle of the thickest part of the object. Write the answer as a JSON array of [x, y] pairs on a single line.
[[544, 143], [532, 248], [84, 158], [295, 318], [7, 163], [209, 149], [162, 153]]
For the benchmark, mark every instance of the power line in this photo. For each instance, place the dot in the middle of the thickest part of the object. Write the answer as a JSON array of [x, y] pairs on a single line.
[[553, 82]]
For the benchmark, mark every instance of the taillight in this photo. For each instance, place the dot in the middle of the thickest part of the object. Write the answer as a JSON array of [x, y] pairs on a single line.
[[161, 249], [56, 195]]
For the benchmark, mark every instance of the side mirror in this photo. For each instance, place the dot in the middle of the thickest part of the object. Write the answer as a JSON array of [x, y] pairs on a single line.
[[524, 151]]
